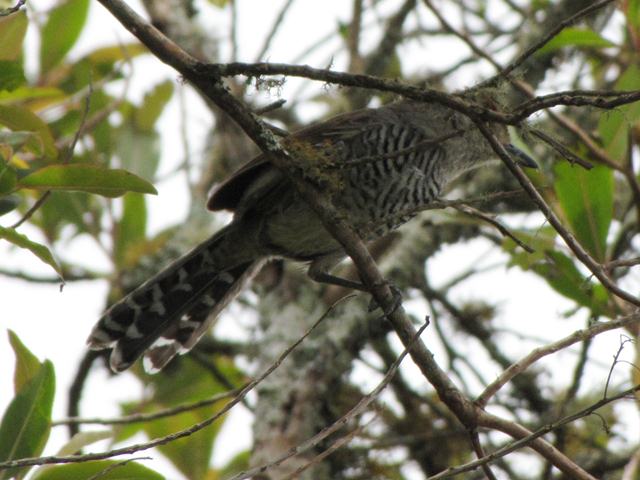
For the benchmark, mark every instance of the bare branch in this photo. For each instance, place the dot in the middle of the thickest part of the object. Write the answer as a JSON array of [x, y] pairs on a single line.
[[536, 354], [474, 212], [5, 12], [146, 417], [528, 438]]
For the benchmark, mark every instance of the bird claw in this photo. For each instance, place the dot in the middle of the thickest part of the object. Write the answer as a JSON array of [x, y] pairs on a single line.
[[397, 300]]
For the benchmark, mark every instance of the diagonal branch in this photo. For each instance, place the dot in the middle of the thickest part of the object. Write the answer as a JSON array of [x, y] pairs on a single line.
[[599, 271]]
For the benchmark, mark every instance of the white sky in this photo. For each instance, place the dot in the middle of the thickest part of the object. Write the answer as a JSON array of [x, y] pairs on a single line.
[[55, 324]]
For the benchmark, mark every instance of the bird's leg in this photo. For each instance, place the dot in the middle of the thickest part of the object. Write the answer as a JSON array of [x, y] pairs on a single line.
[[319, 272]]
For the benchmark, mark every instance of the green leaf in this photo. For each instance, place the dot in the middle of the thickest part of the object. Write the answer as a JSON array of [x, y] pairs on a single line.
[[11, 75], [586, 198], [557, 269], [12, 31], [575, 37], [633, 15], [27, 364], [8, 177], [30, 93], [614, 125], [26, 423], [104, 470], [132, 226], [39, 250], [219, 3], [565, 278], [61, 31], [153, 105], [18, 118], [89, 178], [116, 53]]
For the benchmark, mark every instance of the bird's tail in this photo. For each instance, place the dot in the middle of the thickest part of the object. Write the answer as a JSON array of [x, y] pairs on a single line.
[[169, 313]]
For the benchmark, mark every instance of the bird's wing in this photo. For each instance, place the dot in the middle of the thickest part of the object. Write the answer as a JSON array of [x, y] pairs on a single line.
[[258, 177], [228, 194]]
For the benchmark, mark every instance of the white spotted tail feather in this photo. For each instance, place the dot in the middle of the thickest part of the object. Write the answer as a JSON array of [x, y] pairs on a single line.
[[169, 313]]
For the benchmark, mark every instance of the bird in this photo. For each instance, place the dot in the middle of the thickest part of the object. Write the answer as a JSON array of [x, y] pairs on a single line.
[[382, 166]]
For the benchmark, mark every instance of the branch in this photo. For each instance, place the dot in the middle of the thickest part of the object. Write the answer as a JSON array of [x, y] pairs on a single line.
[[146, 417], [574, 98], [528, 438], [536, 354], [597, 269], [5, 12], [207, 77], [474, 212]]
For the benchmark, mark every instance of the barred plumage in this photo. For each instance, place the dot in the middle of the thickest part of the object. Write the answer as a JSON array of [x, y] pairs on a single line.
[[390, 166]]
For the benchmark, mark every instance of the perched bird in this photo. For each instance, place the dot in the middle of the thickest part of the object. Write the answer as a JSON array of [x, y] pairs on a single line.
[[383, 165]]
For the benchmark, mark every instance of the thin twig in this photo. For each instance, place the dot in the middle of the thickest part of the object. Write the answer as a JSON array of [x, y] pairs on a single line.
[[576, 98], [74, 276], [448, 27], [474, 212], [270, 107], [477, 448], [233, 32], [616, 360], [560, 148], [625, 262], [114, 466], [544, 40], [5, 12], [147, 417], [274, 29], [536, 354], [34, 208], [336, 445], [353, 38]]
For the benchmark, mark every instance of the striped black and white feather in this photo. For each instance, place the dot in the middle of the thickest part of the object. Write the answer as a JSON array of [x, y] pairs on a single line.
[[169, 313]]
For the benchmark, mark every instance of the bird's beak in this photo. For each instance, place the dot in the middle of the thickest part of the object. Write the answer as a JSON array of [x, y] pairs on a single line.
[[520, 157]]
